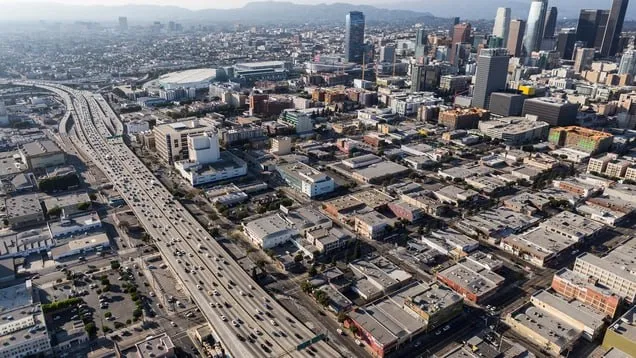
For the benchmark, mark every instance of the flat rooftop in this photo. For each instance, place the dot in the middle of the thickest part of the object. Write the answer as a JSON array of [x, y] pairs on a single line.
[[472, 278], [65, 200], [579, 280], [189, 76], [156, 346], [373, 198], [14, 297], [40, 147], [542, 323], [381, 170], [573, 309], [429, 297], [268, 225], [379, 270], [23, 205]]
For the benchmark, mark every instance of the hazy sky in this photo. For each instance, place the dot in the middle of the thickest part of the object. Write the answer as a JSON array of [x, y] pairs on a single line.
[[190, 4]]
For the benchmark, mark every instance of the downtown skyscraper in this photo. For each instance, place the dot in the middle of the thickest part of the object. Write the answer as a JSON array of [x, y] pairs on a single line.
[[515, 37], [502, 24], [534, 26], [614, 27], [491, 75], [354, 37]]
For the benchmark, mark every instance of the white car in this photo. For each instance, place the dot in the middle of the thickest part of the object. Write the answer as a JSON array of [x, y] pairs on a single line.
[[223, 318]]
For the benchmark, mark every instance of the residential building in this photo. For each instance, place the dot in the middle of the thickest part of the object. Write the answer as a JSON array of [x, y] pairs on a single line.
[[584, 139], [354, 37], [467, 118], [583, 58], [305, 179], [299, 119]]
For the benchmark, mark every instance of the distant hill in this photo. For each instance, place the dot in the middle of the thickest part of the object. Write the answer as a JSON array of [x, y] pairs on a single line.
[[262, 12], [486, 9]]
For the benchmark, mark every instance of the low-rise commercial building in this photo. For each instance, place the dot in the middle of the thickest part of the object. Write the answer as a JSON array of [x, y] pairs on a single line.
[[573, 285], [582, 318], [372, 225], [305, 179], [471, 281], [82, 245], [24, 210], [23, 330], [434, 303], [543, 329], [377, 276], [160, 346], [269, 231], [41, 154], [70, 204], [616, 270], [621, 334]]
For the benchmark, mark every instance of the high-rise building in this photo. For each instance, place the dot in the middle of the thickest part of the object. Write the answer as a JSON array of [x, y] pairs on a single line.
[[452, 26], [550, 22], [534, 27], [502, 23], [354, 37], [614, 27], [583, 59], [123, 23], [421, 41], [387, 53], [628, 63], [491, 75], [425, 77], [591, 27], [461, 33], [515, 37], [565, 43]]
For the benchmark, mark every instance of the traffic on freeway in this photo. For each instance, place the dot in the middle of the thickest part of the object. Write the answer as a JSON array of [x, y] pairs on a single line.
[[245, 318]]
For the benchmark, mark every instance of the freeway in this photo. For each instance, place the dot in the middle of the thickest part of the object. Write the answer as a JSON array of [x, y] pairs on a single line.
[[245, 318]]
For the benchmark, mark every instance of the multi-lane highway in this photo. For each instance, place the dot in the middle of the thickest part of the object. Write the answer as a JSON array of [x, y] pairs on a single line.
[[246, 319]]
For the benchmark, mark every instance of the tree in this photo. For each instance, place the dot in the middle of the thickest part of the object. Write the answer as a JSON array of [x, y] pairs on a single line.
[[321, 297], [55, 211], [84, 206], [115, 265], [342, 317], [312, 271], [306, 286], [92, 196], [91, 329], [298, 258], [108, 314]]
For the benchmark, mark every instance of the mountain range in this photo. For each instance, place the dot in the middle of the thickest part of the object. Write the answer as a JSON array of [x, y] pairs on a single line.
[[272, 12]]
